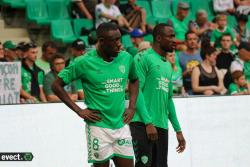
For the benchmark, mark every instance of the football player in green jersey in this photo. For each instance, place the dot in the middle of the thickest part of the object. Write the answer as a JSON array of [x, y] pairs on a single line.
[[104, 73], [149, 127]]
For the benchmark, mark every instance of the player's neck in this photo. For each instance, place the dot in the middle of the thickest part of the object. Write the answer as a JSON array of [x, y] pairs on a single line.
[[29, 63], [158, 50], [191, 51], [104, 56]]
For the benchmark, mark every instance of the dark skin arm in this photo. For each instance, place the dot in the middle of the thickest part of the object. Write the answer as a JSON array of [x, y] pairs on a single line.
[[133, 91], [151, 132], [181, 142], [244, 54], [86, 114]]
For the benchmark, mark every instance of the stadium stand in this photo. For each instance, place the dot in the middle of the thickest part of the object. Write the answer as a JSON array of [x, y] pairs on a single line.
[[79, 24], [59, 25], [147, 6], [36, 11], [62, 30], [15, 3], [161, 15]]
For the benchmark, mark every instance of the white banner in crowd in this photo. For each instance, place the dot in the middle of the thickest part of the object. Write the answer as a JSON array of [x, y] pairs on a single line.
[[217, 131], [10, 82]]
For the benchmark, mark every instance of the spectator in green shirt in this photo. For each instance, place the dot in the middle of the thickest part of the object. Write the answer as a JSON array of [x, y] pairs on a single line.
[[179, 24], [9, 51], [57, 63], [32, 76], [221, 21], [177, 79], [240, 85]]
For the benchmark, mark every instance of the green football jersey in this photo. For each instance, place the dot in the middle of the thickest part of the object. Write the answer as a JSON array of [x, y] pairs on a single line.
[[104, 84], [154, 103], [233, 89], [78, 82]]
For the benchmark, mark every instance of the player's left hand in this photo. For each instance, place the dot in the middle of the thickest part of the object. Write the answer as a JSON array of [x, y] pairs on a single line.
[[182, 143], [128, 115]]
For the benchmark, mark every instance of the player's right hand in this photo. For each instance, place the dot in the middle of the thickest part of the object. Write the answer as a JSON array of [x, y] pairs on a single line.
[[89, 115], [151, 132]]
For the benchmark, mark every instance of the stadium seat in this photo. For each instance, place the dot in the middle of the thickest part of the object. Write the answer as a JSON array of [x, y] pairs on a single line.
[[148, 38], [36, 11], [126, 41], [231, 21], [206, 5], [15, 3], [161, 15], [62, 30], [58, 9], [146, 5], [78, 24]]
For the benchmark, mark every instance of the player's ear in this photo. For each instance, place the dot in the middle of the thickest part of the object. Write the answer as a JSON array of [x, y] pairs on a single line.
[[101, 40], [158, 38]]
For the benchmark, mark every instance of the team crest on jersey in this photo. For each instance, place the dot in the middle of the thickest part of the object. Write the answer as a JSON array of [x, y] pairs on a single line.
[[122, 68], [144, 159]]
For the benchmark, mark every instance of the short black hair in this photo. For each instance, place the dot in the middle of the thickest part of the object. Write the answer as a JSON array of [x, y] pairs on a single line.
[[48, 44], [54, 57], [206, 49], [92, 38], [26, 46], [105, 27], [79, 45], [189, 32], [225, 34], [158, 30]]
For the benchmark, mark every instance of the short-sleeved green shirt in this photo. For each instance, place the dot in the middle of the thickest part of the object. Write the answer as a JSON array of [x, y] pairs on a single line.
[[43, 65], [233, 89], [132, 50], [78, 82], [27, 78], [49, 78], [180, 28], [104, 84], [155, 75]]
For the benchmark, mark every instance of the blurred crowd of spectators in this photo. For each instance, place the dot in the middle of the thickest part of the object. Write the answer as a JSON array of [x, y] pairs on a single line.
[[38, 74], [211, 58]]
